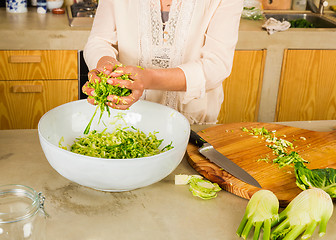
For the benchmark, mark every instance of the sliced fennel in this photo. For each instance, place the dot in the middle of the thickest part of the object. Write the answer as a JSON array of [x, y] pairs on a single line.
[[198, 186], [261, 210], [203, 188], [183, 179], [308, 209]]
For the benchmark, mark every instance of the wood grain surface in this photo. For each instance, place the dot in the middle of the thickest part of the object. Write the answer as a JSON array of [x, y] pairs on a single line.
[[243, 87], [307, 88], [33, 82], [319, 148], [277, 4], [23, 109], [38, 65]]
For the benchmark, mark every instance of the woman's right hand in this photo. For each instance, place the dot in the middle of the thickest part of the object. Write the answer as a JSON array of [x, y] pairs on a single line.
[[105, 65]]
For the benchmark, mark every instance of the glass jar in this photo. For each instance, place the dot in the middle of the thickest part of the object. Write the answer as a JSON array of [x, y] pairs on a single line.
[[22, 215]]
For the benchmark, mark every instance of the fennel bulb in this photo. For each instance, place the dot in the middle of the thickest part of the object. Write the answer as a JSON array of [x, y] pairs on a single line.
[[302, 215], [261, 210]]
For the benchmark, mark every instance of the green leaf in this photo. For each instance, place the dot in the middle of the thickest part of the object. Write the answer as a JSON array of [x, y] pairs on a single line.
[[319, 178]]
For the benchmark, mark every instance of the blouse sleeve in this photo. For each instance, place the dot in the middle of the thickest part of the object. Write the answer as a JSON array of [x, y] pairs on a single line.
[[100, 42], [215, 62]]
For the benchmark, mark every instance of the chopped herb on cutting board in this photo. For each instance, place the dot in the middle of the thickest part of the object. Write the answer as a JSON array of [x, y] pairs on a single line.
[[282, 149], [324, 179]]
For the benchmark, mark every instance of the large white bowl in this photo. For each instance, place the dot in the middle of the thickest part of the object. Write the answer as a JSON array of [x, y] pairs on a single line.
[[68, 121]]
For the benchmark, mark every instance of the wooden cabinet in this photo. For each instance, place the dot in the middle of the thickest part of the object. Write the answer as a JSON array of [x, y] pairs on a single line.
[[243, 87], [32, 83], [307, 88]]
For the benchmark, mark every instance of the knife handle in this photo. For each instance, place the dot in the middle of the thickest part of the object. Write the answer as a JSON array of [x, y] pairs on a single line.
[[196, 139]]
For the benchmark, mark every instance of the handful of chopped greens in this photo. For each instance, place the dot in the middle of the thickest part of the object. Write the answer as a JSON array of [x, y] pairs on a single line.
[[122, 143], [101, 90]]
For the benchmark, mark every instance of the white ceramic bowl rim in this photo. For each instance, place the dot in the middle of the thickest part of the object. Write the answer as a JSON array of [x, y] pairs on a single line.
[[95, 158], [114, 175]]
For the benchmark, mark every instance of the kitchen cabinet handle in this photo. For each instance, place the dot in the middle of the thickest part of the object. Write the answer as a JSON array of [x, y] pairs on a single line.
[[24, 59], [27, 88]]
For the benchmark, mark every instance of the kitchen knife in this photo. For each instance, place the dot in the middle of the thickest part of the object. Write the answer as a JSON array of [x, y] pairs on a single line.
[[208, 151]]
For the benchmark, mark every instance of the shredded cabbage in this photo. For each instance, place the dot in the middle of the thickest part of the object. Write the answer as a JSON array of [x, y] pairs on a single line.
[[122, 143], [101, 90]]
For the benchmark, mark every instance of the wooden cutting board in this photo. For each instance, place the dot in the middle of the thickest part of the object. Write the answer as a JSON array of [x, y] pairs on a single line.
[[319, 148]]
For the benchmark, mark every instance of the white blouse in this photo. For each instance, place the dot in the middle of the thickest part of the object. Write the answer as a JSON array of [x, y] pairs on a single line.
[[199, 37]]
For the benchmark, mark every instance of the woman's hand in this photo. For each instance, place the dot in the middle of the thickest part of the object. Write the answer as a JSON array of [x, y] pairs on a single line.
[[105, 65], [140, 78], [172, 79]]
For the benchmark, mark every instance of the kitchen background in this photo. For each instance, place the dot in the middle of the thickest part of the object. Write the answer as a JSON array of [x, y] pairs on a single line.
[[268, 4], [286, 76], [285, 4]]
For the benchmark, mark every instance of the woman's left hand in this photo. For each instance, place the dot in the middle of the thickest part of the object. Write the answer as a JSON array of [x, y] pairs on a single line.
[[139, 80]]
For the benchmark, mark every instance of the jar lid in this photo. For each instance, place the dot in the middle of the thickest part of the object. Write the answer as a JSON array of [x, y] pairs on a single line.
[[18, 202]]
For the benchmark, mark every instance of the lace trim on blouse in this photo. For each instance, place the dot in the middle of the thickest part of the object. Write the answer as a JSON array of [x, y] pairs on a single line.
[[162, 44]]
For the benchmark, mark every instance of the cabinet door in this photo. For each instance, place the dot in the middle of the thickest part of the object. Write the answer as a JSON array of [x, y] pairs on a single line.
[[23, 103], [308, 86], [39, 64], [243, 87]]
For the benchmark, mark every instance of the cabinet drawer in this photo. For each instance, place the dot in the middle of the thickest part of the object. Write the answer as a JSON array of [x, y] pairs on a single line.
[[22, 103], [38, 65]]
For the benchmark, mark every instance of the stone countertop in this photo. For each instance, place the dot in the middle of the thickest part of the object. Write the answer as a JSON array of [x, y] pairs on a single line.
[[161, 211], [33, 31]]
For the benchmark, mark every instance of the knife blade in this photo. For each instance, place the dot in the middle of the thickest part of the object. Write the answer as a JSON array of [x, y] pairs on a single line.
[[208, 151]]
